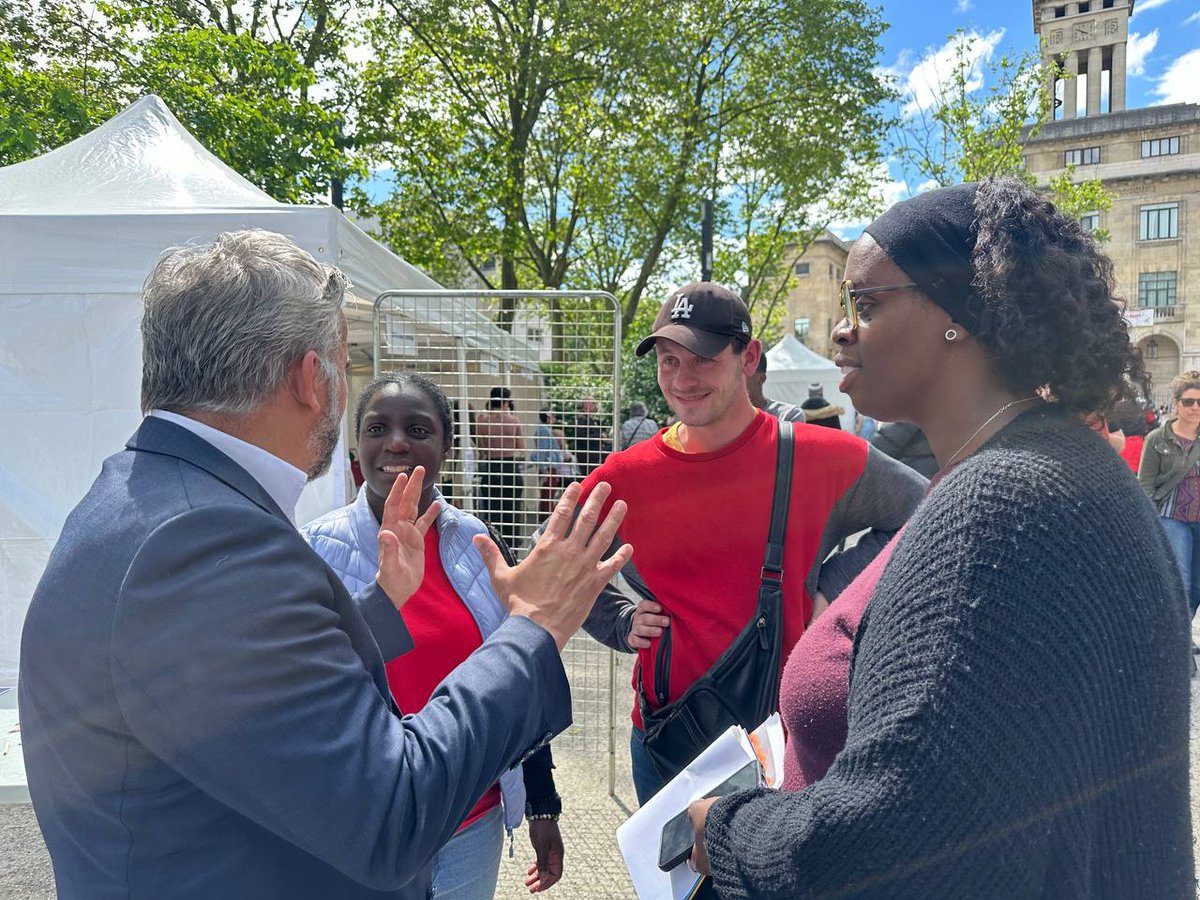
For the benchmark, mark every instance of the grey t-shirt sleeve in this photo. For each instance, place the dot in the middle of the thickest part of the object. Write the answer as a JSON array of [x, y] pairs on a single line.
[[880, 500]]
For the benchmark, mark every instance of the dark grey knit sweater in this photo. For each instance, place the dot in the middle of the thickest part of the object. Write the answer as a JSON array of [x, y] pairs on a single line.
[[1018, 701]]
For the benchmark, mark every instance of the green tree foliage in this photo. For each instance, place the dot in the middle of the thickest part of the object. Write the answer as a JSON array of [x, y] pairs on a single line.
[[567, 143], [971, 134], [1077, 198], [241, 82]]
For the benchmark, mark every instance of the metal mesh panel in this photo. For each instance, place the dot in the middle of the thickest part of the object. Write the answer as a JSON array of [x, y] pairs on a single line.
[[533, 382]]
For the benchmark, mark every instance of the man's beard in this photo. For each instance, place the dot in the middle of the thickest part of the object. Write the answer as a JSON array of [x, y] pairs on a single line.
[[323, 441]]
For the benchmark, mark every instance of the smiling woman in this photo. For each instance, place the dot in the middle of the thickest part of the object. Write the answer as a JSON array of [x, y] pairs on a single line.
[[404, 421], [1016, 720], [1170, 474]]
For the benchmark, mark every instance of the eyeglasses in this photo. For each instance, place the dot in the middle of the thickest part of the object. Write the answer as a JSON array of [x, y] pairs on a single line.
[[1189, 402], [850, 292]]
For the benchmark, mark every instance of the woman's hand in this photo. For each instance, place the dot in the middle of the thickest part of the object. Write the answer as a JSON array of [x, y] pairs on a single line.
[[548, 847], [698, 813], [648, 624], [402, 538]]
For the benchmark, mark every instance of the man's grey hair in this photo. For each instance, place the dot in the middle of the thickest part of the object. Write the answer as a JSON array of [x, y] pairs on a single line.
[[223, 322], [637, 408]]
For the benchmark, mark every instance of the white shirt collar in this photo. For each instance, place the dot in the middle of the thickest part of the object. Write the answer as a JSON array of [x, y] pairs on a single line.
[[280, 479]]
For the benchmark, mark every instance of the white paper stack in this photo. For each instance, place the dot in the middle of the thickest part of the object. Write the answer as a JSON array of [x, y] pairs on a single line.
[[640, 836]]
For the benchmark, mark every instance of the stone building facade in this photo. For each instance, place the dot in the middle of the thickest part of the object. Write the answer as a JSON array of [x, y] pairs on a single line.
[[812, 303], [1149, 158]]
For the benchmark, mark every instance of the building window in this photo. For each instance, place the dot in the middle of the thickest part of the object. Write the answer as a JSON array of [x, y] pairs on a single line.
[[802, 329], [1160, 147], [1109, 4], [1158, 222], [1156, 289], [1059, 12], [801, 269], [1090, 221], [533, 335], [1085, 7], [1084, 156]]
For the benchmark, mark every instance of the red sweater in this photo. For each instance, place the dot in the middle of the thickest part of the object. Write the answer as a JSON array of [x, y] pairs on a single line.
[[698, 523], [444, 634]]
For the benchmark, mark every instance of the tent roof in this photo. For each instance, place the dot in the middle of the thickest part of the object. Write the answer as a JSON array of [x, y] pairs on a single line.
[[790, 354], [142, 159]]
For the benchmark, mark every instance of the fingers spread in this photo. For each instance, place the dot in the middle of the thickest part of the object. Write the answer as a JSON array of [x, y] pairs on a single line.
[[611, 566], [430, 516], [589, 515], [410, 501], [560, 519], [608, 528], [492, 558], [392, 505]]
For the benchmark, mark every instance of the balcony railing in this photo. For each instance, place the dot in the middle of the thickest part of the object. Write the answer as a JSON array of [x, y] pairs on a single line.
[[1168, 313]]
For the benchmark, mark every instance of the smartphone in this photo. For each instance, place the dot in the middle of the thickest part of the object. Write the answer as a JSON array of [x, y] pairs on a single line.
[[678, 835]]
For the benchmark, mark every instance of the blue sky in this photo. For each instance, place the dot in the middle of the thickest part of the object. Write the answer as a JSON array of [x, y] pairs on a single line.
[[1163, 55], [1162, 34]]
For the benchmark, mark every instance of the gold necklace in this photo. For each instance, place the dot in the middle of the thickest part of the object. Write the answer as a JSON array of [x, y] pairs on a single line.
[[990, 420]]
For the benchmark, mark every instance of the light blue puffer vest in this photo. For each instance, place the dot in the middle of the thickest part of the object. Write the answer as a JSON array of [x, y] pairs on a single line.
[[348, 540]]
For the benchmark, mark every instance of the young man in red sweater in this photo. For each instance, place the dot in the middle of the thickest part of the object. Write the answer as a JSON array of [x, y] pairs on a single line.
[[699, 496]]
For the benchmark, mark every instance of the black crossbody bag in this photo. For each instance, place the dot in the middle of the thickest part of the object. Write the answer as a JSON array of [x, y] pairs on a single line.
[[742, 687]]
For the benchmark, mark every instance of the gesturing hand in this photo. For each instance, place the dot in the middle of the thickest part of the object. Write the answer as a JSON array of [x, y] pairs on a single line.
[[547, 843], [559, 581], [402, 538]]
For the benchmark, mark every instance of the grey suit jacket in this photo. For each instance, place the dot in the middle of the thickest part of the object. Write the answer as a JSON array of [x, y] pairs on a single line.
[[204, 708]]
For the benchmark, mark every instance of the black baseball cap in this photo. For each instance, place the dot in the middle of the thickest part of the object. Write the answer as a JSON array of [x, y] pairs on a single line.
[[703, 317]]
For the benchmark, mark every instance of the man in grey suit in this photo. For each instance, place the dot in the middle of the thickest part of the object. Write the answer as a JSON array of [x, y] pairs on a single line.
[[203, 705]]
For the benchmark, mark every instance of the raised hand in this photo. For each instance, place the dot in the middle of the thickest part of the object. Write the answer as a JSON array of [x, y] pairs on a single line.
[[402, 538], [558, 582]]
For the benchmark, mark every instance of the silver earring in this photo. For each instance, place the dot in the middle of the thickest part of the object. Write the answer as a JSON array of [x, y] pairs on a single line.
[[951, 334]]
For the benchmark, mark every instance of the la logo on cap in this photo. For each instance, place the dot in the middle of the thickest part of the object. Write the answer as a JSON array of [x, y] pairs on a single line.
[[682, 309]]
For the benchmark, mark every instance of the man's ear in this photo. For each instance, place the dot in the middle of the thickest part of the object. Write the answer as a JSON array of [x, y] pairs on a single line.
[[304, 381], [750, 357]]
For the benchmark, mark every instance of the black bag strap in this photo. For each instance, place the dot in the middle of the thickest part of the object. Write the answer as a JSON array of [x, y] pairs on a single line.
[[771, 577], [784, 458]]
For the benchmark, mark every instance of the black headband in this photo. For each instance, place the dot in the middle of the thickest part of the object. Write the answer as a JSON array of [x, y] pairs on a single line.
[[931, 237]]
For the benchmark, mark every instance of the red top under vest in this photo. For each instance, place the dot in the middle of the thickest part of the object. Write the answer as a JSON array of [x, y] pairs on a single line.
[[444, 634]]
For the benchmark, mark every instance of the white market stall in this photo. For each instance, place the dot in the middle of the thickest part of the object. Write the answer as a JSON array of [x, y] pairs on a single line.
[[81, 227], [792, 367]]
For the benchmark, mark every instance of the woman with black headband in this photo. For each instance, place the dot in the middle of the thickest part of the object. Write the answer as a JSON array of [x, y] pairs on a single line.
[[998, 705]]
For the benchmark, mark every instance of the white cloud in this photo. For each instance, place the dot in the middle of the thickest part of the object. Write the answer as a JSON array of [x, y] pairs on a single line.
[[964, 6], [1192, 19], [1179, 83], [1140, 46], [1147, 5], [886, 191], [922, 85]]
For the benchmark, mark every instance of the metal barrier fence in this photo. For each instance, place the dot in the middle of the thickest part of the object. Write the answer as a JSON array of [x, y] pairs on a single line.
[[534, 382]]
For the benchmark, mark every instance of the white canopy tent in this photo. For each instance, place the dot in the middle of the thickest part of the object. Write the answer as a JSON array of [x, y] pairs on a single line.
[[81, 227], [792, 367]]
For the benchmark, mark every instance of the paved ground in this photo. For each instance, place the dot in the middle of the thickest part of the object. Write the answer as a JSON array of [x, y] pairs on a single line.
[[593, 866]]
